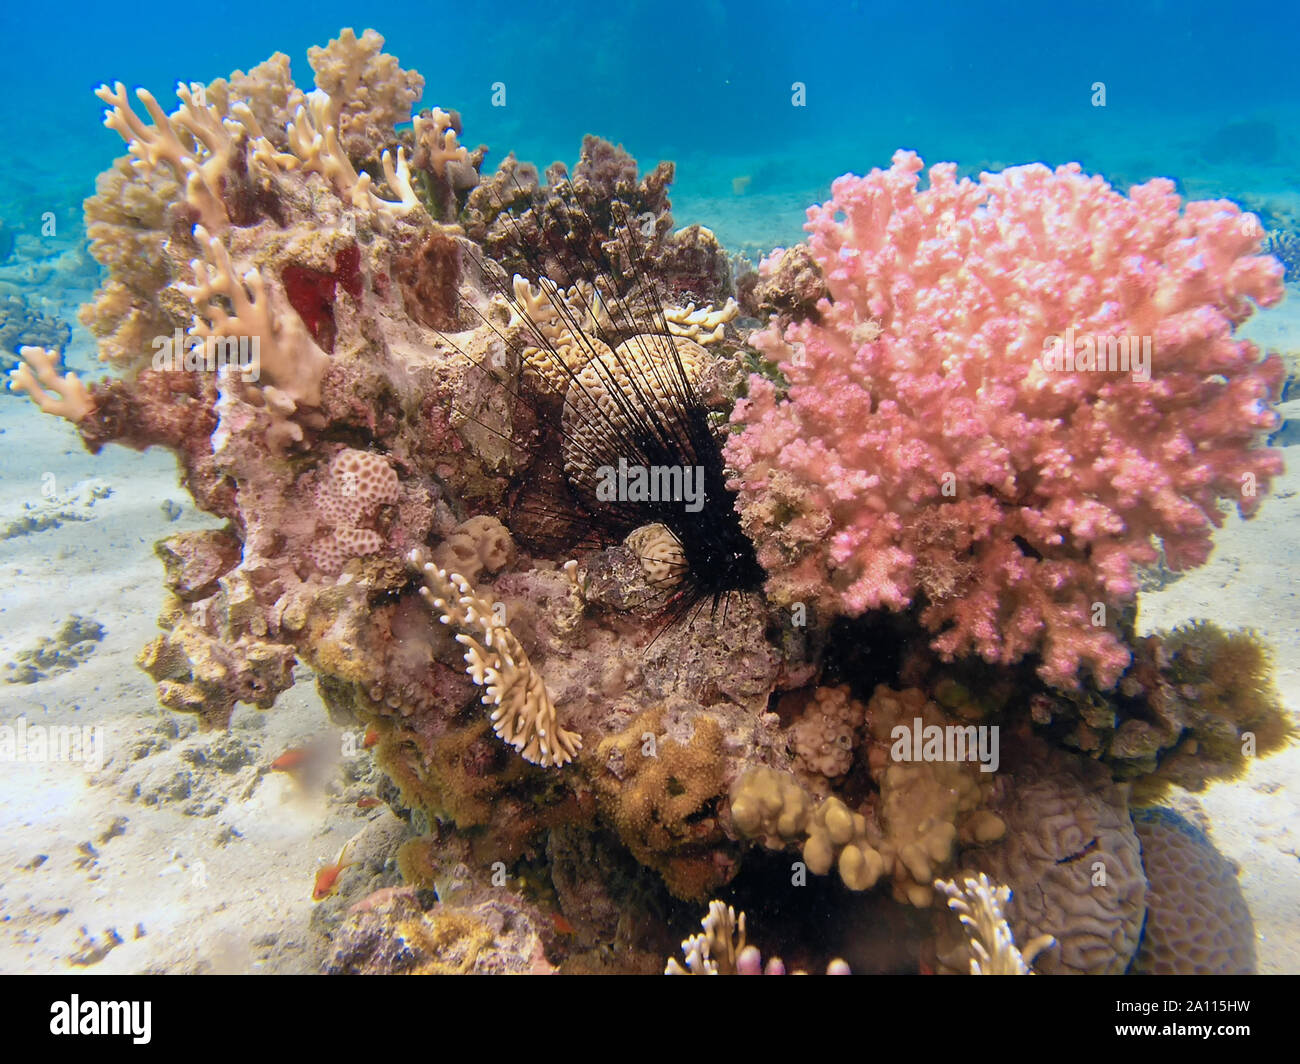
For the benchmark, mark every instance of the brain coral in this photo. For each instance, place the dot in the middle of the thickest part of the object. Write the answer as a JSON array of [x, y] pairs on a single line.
[[1072, 860], [1197, 920]]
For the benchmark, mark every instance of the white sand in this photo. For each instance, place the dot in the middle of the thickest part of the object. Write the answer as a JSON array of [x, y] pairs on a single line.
[[205, 899]]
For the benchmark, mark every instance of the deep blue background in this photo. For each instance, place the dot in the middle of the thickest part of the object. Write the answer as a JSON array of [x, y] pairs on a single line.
[[985, 84]]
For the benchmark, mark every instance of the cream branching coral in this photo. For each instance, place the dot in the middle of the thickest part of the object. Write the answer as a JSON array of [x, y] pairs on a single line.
[[562, 325], [198, 140], [704, 326], [38, 375], [368, 91], [263, 100], [524, 715], [980, 906], [314, 142], [198, 159], [716, 949], [438, 145], [289, 362], [720, 949], [558, 326]]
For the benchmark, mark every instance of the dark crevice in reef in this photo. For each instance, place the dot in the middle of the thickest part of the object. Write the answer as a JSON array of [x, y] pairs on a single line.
[[865, 651], [811, 925]]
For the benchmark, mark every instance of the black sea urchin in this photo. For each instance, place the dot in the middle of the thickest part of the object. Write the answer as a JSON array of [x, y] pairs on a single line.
[[620, 411]]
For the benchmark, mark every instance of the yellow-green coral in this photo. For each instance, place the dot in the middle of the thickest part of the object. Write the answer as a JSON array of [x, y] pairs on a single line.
[[838, 837], [773, 806], [770, 805], [926, 807], [1229, 710], [661, 796]]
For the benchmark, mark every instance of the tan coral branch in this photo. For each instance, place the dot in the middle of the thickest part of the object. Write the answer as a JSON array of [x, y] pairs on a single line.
[[704, 326], [558, 329], [54, 393], [524, 716], [314, 140], [161, 143], [290, 363], [436, 136]]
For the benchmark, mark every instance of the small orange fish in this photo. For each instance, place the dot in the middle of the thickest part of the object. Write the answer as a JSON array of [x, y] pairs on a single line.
[[562, 925], [369, 802], [328, 877], [289, 760], [371, 738]]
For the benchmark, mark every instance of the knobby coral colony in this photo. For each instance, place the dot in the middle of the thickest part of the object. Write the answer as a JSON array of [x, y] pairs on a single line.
[[916, 529]]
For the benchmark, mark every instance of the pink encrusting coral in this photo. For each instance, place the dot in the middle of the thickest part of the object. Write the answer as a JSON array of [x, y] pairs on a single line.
[[357, 483], [929, 451]]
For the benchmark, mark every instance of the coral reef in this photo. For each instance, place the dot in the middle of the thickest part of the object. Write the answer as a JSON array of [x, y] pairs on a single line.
[[72, 644], [1197, 704], [356, 484], [602, 212], [24, 326], [921, 811], [1285, 247], [390, 933], [53, 511], [572, 220], [939, 444], [409, 474]]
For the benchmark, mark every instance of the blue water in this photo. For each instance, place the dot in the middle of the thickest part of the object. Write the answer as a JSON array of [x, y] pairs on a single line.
[[710, 85]]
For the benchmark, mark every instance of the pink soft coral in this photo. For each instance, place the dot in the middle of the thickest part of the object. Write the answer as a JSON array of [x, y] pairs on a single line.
[[927, 452]]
